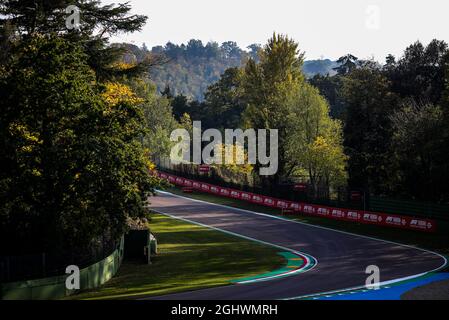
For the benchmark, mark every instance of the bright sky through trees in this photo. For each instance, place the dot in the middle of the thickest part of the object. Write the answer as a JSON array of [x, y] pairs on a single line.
[[323, 28]]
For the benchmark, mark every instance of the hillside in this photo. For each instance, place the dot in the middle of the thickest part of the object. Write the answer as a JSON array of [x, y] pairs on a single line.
[[191, 68]]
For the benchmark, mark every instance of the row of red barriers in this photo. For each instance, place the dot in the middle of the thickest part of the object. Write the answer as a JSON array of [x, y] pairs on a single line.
[[360, 216]]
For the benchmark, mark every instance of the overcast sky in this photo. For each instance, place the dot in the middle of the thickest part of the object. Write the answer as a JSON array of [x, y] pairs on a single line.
[[323, 28]]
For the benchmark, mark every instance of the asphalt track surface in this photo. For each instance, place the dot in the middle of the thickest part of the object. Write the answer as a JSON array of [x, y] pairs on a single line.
[[342, 258]]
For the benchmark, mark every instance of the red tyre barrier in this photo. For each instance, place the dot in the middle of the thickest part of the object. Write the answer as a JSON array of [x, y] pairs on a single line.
[[205, 187], [225, 192], [372, 218], [215, 190], [246, 196], [163, 175], [310, 209], [257, 199], [282, 204], [360, 216], [339, 214], [235, 194], [324, 212], [353, 215], [268, 201], [296, 207], [420, 224]]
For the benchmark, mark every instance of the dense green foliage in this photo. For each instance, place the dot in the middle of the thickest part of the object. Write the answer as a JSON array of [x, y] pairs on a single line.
[[419, 144], [271, 92], [190, 69], [267, 87], [395, 121], [367, 129], [330, 87], [394, 117], [74, 169], [22, 19], [314, 147], [74, 165], [193, 67], [158, 114]]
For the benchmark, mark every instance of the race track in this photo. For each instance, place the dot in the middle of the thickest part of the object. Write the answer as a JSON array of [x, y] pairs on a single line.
[[342, 258]]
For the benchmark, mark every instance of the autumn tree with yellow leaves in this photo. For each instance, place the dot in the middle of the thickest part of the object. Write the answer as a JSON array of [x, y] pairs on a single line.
[[315, 143], [74, 166], [279, 97]]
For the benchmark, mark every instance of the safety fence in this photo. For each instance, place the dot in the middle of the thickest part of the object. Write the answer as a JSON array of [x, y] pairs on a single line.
[[91, 276], [48, 264], [426, 209], [341, 197], [343, 214]]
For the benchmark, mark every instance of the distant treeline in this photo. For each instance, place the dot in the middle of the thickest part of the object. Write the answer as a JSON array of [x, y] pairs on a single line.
[[189, 69]]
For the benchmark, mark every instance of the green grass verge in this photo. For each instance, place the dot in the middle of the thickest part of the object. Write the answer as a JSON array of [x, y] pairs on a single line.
[[438, 241], [190, 257]]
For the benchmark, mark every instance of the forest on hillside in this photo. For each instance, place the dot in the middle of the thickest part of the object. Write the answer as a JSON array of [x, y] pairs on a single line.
[[189, 69]]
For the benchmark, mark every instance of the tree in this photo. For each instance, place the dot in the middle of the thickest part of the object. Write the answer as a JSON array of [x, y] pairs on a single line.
[[314, 146], [191, 69], [224, 103], [159, 118], [180, 106], [74, 168], [231, 49], [346, 64], [445, 95], [419, 73], [194, 48], [330, 88], [212, 50], [167, 92], [29, 17], [254, 51], [310, 141], [367, 130], [420, 144], [267, 87], [419, 140], [390, 63], [37, 16]]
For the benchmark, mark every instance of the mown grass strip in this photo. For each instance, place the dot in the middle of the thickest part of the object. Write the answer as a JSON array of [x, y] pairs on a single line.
[[191, 257]]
